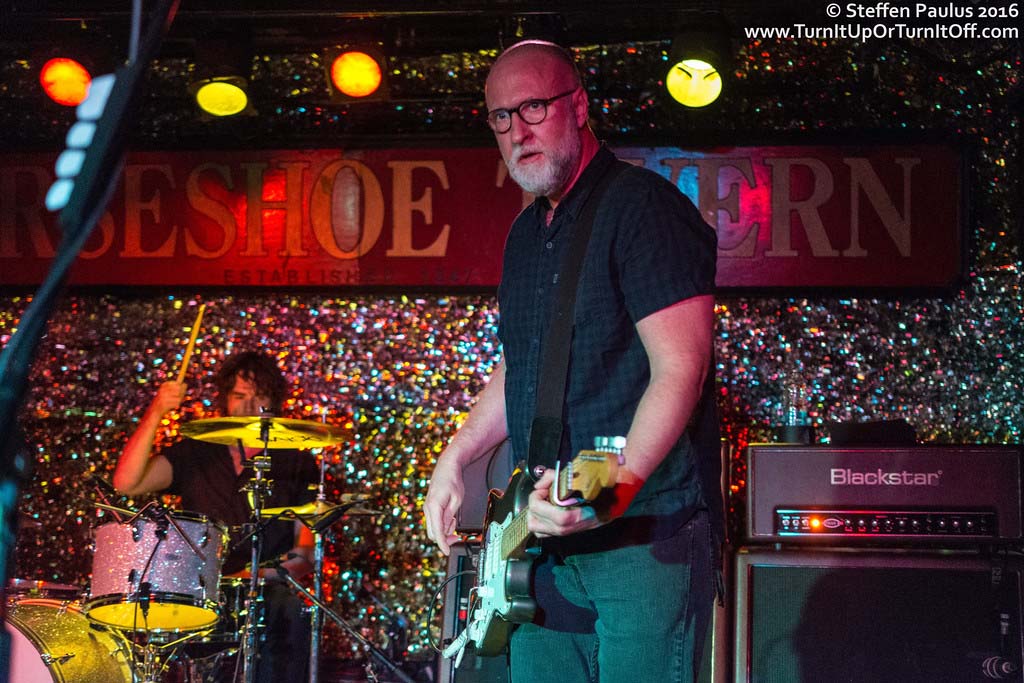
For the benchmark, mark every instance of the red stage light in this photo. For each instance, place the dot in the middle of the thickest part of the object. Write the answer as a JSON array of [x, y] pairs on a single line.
[[65, 81]]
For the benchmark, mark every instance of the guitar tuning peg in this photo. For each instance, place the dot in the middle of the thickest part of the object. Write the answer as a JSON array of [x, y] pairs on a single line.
[[610, 444]]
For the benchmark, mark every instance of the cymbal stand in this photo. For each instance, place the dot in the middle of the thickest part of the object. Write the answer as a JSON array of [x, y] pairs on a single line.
[[258, 487], [373, 652], [316, 616]]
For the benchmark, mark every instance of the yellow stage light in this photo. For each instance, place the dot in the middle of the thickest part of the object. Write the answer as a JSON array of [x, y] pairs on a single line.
[[694, 83], [225, 96], [699, 59]]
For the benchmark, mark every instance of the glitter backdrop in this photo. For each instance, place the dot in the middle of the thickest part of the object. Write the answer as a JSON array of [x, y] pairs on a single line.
[[402, 369]]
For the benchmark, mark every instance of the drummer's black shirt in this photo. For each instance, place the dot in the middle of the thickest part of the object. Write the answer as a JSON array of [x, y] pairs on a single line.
[[204, 477]]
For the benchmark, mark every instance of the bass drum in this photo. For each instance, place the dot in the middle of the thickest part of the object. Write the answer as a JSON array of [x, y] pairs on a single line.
[[52, 642]]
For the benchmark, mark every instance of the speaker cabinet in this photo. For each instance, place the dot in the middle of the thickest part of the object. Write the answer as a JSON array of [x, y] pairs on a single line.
[[490, 471], [855, 615], [472, 669]]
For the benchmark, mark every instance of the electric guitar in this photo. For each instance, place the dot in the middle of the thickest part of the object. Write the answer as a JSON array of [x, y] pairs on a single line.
[[501, 597]]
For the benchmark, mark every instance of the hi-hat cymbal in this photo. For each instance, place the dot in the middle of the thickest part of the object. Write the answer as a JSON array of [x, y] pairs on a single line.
[[349, 505], [282, 432]]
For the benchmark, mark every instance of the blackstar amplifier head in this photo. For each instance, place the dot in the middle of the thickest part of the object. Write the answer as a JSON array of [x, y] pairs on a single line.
[[929, 495]]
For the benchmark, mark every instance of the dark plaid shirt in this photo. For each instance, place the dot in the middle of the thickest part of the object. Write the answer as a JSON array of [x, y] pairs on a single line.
[[204, 476], [649, 249]]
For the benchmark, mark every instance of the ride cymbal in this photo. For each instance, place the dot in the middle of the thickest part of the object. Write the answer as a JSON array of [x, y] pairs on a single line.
[[281, 432]]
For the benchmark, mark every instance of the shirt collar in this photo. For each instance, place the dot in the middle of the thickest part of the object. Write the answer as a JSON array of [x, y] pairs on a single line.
[[578, 193]]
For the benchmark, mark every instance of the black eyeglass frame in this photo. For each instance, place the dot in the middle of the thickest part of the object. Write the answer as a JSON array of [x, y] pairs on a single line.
[[518, 109]]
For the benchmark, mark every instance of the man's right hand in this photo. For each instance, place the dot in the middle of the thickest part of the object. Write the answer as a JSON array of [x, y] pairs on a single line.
[[137, 472], [444, 498], [169, 397]]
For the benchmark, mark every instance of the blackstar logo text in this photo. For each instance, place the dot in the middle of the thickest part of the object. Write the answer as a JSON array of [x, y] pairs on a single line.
[[847, 477]]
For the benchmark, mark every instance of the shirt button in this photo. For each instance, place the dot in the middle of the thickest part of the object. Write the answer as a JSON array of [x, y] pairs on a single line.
[[550, 245], [529, 390]]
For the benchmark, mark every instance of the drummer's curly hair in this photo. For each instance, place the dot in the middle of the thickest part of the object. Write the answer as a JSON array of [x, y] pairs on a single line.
[[258, 368]]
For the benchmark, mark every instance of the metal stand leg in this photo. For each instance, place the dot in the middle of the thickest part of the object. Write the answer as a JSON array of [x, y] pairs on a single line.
[[258, 487], [316, 616]]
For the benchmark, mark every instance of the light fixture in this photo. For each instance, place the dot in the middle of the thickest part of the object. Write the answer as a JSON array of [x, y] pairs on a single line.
[[698, 60], [221, 88], [65, 81], [549, 26], [694, 83], [222, 95], [356, 73]]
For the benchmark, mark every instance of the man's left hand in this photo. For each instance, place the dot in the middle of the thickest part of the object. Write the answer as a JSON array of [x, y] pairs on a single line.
[[547, 519]]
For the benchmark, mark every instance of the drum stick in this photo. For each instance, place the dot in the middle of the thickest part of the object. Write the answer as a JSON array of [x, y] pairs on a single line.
[[191, 343]]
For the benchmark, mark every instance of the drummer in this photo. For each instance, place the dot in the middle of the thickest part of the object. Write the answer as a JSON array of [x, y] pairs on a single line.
[[209, 478]]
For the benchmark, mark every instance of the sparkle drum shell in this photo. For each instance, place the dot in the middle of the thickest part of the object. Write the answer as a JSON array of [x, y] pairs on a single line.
[[182, 585], [52, 642]]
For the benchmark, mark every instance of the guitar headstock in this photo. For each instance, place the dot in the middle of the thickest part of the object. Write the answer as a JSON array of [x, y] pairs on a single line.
[[587, 474]]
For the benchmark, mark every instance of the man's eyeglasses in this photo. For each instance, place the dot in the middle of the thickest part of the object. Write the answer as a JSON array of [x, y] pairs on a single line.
[[530, 111]]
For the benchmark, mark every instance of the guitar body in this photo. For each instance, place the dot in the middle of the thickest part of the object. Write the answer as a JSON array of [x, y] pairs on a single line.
[[501, 597], [503, 587]]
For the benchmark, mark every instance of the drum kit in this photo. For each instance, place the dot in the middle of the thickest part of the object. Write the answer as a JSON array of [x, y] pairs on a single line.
[[156, 596]]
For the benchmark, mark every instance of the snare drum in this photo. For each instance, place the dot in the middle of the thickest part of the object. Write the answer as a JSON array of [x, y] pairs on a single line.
[[145, 578], [51, 642]]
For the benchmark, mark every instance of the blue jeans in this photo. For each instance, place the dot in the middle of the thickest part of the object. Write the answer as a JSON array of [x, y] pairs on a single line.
[[284, 652], [636, 611]]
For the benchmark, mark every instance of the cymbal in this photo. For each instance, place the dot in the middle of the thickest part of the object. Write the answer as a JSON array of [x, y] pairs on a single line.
[[312, 510], [25, 586], [283, 432]]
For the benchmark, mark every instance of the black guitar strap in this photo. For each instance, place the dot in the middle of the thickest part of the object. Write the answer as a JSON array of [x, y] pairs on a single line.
[[547, 427]]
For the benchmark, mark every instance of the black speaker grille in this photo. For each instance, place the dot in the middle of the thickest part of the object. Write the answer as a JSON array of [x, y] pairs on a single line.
[[808, 623]]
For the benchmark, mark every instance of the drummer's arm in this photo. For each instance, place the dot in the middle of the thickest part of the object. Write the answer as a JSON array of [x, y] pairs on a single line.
[[298, 561], [137, 472], [300, 558]]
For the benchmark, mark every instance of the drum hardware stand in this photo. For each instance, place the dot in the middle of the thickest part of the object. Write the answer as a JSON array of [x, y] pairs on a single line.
[[158, 514], [374, 652], [151, 667], [257, 487], [315, 615], [397, 624]]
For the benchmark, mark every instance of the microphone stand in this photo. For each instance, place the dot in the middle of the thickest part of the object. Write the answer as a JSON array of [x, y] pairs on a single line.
[[371, 649]]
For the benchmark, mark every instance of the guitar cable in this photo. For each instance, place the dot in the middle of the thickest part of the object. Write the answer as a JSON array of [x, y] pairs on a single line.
[[433, 603]]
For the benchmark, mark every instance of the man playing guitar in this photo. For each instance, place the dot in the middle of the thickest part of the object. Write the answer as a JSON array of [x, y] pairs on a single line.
[[623, 590]]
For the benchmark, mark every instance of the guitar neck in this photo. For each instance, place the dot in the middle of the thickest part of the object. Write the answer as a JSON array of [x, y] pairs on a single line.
[[515, 536]]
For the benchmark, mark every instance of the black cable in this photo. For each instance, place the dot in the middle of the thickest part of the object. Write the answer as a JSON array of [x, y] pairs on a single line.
[[433, 602]]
